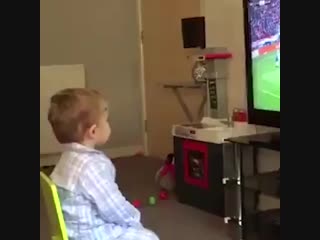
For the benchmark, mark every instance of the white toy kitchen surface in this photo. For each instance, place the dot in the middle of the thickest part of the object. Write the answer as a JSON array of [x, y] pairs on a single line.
[[215, 130]]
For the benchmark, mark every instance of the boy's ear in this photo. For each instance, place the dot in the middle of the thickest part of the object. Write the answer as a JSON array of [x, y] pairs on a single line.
[[92, 130]]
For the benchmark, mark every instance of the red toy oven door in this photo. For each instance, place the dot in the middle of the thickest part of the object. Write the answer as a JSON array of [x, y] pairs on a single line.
[[195, 158]]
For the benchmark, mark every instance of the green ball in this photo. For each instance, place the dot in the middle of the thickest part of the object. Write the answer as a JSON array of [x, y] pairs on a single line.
[[152, 200]]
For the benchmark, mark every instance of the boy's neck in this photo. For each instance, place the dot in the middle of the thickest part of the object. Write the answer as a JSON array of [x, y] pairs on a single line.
[[88, 144]]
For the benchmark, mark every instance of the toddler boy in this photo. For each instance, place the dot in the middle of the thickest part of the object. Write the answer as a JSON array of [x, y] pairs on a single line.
[[93, 206]]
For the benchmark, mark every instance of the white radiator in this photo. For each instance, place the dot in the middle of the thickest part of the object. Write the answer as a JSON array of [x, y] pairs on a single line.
[[53, 79]]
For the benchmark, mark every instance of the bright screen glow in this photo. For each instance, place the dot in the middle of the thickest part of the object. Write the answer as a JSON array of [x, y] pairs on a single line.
[[264, 24]]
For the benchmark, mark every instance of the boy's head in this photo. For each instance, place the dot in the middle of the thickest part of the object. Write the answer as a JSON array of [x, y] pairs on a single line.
[[79, 115]]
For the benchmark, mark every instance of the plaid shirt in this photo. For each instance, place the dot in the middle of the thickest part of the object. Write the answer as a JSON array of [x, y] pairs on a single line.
[[92, 204]]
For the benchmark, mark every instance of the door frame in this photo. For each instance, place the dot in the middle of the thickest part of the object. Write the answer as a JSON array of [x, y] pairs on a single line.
[[142, 79]]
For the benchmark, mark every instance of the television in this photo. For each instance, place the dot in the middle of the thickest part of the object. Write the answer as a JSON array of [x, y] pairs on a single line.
[[262, 43]]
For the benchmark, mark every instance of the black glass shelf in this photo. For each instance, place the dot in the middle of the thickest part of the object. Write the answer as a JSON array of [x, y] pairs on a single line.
[[263, 225], [257, 224], [267, 183], [271, 216], [267, 140]]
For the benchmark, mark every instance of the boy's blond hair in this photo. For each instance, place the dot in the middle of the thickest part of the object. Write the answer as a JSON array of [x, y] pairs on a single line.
[[72, 111]]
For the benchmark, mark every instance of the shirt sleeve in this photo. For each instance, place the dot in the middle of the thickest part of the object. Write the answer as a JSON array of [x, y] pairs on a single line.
[[98, 183]]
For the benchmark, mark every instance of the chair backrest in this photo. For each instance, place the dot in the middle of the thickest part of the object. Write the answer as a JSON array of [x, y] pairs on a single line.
[[50, 193]]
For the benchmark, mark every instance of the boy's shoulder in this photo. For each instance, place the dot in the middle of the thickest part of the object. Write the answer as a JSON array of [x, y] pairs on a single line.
[[74, 165]]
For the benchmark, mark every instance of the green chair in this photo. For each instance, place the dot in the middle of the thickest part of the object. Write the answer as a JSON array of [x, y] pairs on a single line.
[[57, 225]]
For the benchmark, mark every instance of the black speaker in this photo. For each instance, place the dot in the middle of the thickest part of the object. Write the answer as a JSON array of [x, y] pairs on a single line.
[[194, 32]]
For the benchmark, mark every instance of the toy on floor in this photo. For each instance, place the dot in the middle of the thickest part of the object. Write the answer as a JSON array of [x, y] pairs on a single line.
[[163, 195], [136, 203], [152, 200], [165, 176]]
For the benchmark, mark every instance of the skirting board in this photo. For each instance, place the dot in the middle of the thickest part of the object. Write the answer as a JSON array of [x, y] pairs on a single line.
[[52, 159]]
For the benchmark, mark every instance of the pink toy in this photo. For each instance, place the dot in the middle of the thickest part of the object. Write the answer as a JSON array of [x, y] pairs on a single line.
[[165, 176]]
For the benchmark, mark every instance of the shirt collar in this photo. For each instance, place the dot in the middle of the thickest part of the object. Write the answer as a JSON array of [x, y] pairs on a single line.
[[77, 147]]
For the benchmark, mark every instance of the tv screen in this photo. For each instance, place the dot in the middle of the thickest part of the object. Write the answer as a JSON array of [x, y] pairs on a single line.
[[262, 21]]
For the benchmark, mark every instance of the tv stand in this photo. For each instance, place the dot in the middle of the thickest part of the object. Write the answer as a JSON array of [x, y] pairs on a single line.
[[252, 220], [266, 140], [275, 138]]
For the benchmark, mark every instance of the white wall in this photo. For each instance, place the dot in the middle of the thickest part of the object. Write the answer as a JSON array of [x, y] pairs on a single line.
[[104, 36], [224, 28]]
